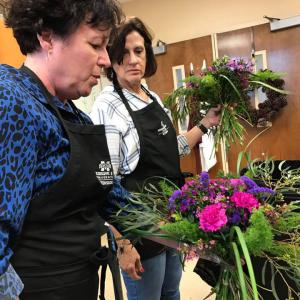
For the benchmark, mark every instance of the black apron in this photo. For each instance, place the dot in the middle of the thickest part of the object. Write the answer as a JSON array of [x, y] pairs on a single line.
[[158, 156], [62, 228]]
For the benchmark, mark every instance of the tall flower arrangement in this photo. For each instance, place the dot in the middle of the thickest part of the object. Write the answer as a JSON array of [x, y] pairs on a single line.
[[228, 83], [226, 220]]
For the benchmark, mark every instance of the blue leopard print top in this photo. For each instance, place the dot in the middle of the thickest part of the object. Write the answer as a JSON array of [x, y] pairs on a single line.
[[34, 153]]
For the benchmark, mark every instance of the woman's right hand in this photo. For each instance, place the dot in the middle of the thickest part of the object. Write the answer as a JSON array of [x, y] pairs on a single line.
[[129, 260]]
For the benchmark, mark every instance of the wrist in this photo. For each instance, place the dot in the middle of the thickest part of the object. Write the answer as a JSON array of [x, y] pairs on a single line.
[[205, 122], [122, 245], [202, 127]]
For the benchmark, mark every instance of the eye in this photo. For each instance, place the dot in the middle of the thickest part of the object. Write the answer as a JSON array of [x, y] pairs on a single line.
[[95, 46], [139, 50]]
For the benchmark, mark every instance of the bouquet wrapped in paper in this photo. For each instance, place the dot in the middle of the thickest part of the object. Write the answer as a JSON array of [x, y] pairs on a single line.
[[226, 220]]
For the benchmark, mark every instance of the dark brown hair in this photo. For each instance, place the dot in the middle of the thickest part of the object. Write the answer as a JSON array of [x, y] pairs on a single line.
[[27, 18], [117, 45]]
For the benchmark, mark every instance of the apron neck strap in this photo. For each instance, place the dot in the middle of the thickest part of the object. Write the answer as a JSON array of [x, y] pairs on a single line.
[[119, 90]]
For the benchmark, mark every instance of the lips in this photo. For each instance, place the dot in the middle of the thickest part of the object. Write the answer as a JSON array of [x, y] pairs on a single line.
[[134, 71]]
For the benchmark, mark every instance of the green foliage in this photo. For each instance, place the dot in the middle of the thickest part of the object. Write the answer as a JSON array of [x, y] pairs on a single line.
[[288, 252], [184, 230], [266, 75], [222, 174], [143, 212], [210, 88], [166, 188], [227, 83], [259, 236], [261, 172], [273, 231], [288, 222]]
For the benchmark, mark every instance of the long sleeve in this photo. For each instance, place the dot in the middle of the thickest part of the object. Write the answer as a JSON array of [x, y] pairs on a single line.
[[34, 154], [17, 161], [10, 284], [183, 146]]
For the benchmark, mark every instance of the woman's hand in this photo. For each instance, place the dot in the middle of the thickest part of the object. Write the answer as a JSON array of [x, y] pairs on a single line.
[[212, 117], [129, 259]]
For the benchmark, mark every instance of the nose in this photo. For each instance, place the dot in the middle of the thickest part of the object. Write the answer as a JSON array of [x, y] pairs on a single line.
[[103, 59], [132, 58]]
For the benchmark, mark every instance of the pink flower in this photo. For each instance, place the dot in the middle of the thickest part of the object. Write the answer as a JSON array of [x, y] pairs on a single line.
[[187, 185], [212, 217], [219, 198], [244, 200], [236, 182]]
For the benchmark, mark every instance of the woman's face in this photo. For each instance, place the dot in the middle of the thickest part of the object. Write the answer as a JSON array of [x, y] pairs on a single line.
[[132, 70], [74, 63]]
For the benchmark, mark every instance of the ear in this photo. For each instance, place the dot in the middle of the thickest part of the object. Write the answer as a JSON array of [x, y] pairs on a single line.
[[45, 39]]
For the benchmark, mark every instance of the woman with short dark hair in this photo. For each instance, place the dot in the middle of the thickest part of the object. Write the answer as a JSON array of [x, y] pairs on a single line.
[[52, 184], [117, 45], [142, 143]]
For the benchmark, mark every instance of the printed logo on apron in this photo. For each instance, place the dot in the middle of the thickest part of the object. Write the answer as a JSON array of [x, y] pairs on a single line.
[[163, 130], [105, 173]]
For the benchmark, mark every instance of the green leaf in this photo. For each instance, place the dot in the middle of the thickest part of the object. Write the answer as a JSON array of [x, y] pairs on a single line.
[[270, 87], [240, 271], [246, 256]]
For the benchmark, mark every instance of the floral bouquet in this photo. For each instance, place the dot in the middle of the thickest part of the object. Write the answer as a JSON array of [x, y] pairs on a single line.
[[229, 82], [225, 220]]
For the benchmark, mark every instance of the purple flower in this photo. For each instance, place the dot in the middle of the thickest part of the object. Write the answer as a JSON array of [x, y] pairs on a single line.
[[172, 205], [184, 206], [189, 84], [204, 179], [176, 195], [249, 182], [235, 218], [261, 192]]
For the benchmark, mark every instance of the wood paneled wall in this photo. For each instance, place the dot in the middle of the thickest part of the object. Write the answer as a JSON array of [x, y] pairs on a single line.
[[182, 53], [282, 140]]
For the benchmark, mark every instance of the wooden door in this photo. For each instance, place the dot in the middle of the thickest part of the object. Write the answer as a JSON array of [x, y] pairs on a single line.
[[283, 54]]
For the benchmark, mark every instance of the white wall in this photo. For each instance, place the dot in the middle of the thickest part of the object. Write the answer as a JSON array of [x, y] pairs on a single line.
[[178, 20]]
